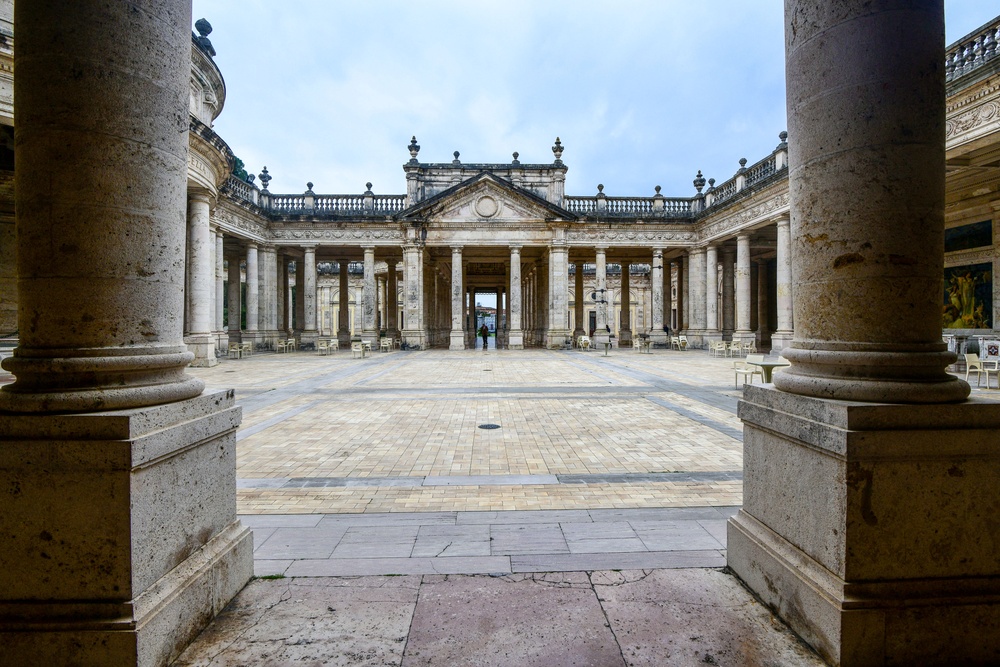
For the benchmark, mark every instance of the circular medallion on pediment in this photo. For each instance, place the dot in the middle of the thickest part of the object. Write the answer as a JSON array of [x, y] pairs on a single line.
[[486, 206]]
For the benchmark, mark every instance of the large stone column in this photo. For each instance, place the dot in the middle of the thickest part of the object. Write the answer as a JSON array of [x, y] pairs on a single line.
[[558, 293], [413, 295], [668, 273], [698, 291], [684, 291], [782, 337], [763, 306], [578, 306], [601, 306], [268, 313], [344, 299], [369, 296], [392, 299], [870, 496], [284, 297], [656, 287], [235, 308], [625, 333], [308, 277], [743, 332], [118, 537], [220, 287], [457, 301], [728, 290], [252, 298], [516, 337], [201, 286], [712, 332]]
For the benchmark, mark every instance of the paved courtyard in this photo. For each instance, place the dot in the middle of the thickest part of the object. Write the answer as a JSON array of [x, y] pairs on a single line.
[[404, 431]]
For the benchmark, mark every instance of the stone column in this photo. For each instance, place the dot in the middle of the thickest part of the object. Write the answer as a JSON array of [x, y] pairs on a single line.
[[578, 306], [284, 305], [516, 337], [868, 486], [470, 317], [250, 335], [697, 324], [118, 537], [344, 297], [712, 332], [268, 314], [220, 288], [541, 299], [601, 307], [625, 332], [656, 287], [728, 290], [743, 331], [782, 337], [392, 300], [684, 292], [200, 283], [668, 275], [763, 310], [457, 301], [413, 295], [306, 276], [235, 306], [558, 293], [368, 330]]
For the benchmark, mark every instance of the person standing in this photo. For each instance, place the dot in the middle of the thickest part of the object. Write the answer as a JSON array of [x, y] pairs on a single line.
[[484, 331]]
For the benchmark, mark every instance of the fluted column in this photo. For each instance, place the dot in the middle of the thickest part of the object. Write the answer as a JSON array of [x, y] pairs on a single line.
[[782, 337], [728, 289], [601, 307], [578, 306], [457, 340], [516, 336], [252, 294], [201, 287], [625, 332], [743, 288], [712, 292]]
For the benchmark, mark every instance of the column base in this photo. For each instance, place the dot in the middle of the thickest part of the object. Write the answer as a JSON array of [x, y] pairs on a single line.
[[203, 348], [659, 338], [555, 339], [412, 340], [864, 526], [711, 337], [515, 339], [307, 339], [780, 340], [119, 541], [625, 338], [457, 340]]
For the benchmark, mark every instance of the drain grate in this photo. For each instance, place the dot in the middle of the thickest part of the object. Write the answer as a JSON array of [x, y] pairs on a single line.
[[489, 427]]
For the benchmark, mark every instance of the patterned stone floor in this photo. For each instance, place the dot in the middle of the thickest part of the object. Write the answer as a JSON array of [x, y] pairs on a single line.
[[401, 431]]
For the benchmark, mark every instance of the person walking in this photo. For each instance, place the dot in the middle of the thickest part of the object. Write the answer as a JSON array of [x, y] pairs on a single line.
[[484, 331]]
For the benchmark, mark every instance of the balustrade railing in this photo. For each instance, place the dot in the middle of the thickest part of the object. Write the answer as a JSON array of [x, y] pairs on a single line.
[[241, 189], [759, 171], [972, 51], [725, 191], [629, 207], [337, 205]]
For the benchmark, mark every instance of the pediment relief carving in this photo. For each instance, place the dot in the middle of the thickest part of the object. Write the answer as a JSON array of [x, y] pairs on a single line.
[[489, 203]]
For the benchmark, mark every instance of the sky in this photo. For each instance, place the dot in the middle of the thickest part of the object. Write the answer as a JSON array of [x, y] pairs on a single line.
[[641, 92]]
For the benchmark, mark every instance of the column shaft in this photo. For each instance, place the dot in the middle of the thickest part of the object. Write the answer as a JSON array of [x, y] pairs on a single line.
[[712, 291], [578, 307], [783, 335], [457, 339], [252, 302], [728, 289], [625, 329], [201, 287], [601, 288], [743, 287], [370, 297]]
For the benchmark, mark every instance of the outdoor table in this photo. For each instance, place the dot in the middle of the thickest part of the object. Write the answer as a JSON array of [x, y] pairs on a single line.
[[767, 367], [608, 345]]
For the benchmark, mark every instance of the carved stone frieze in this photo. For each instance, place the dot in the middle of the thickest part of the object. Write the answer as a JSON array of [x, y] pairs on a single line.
[[751, 213], [971, 119], [977, 255], [392, 235], [239, 222], [629, 235]]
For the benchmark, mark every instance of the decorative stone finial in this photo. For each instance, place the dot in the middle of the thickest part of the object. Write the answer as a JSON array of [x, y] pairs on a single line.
[[657, 188], [699, 181], [369, 190], [250, 178], [711, 185], [784, 141], [557, 150], [515, 154], [204, 29], [456, 160], [264, 177], [743, 165], [309, 189], [414, 148], [600, 190]]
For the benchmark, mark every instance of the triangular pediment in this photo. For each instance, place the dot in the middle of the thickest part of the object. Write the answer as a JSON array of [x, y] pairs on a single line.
[[485, 198]]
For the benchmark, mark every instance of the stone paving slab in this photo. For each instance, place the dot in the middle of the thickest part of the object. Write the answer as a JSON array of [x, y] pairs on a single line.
[[630, 617]]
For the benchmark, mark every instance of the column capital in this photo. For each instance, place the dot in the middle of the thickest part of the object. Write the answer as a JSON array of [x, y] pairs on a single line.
[[515, 249], [783, 220]]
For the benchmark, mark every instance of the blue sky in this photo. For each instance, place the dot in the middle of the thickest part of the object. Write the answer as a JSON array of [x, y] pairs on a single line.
[[641, 92]]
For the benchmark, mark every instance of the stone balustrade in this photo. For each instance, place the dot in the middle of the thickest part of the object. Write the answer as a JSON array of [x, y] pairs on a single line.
[[972, 51], [629, 207]]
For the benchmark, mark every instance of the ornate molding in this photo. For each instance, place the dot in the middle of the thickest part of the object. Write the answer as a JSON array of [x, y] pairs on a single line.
[[960, 257], [971, 119], [392, 235], [747, 217], [236, 222], [611, 236]]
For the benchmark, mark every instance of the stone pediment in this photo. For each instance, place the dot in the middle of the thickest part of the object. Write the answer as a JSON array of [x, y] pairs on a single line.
[[485, 198]]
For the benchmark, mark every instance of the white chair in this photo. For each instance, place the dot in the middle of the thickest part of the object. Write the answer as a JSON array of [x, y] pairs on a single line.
[[747, 371], [682, 342], [333, 345], [717, 348], [583, 342], [322, 347], [357, 349], [385, 345], [973, 364]]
